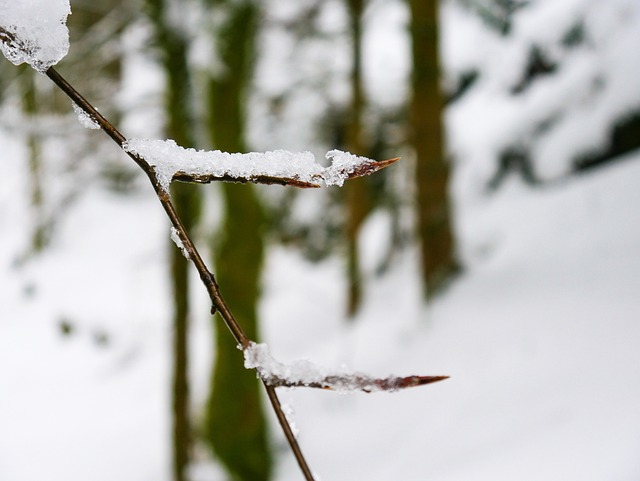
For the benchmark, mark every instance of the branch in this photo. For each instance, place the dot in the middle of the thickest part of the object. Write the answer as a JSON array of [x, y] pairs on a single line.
[[218, 303], [208, 279], [344, 166], [258, 179], [357, 382], [366, 168], [304, 373], [173, 162]]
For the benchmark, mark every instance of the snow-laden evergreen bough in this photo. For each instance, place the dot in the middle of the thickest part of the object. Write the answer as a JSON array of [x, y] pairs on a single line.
[[35, 32]]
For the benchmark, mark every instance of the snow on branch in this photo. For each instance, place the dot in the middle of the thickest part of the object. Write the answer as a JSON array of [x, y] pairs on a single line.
[[304, 373], [173, 162], [34, 31], [85, 119]]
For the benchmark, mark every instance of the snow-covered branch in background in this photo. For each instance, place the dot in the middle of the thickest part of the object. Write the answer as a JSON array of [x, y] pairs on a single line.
[[304, 373], [171, 161], [34, 31]]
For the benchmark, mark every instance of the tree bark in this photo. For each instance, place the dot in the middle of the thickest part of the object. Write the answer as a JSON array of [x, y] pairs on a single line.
[[236, 427], [438, 260], [173, 50], [357, 190]]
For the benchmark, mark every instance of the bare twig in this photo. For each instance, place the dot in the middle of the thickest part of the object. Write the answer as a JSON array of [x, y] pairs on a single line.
[[288, 432]]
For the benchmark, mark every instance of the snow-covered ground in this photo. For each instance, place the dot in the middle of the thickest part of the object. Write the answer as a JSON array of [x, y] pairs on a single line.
[[540, 336]]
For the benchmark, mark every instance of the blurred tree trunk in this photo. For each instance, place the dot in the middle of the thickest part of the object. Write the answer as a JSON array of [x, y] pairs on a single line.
[[173, 50], [357, 190], [432, 171], [34, 143], [236, 426]]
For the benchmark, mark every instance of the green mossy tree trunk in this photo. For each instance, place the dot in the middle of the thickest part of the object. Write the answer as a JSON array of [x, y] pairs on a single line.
[[173, 51], [357, 192], [432, 171], [236, 426]]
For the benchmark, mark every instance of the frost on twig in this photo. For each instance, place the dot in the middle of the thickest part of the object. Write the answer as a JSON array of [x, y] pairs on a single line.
[[304, 373], [85, 119], [34, 31], [172, 162], [348, 166], [175, 237]]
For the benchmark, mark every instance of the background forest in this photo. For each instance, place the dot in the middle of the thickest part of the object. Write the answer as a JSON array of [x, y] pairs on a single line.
[[503, 249]]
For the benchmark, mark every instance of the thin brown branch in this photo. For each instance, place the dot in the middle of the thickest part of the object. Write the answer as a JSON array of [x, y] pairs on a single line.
[[174, 162], [259, 179], [206, 276], [93, 113], [303, 373], [288, 432], [363, 169], [357, 382]]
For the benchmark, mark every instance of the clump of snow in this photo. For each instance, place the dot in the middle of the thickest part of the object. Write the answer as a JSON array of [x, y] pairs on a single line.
[[342, 164], [84, 118], [175, 237], [303, 371], [289, 413], [170, 159], [34, 31]]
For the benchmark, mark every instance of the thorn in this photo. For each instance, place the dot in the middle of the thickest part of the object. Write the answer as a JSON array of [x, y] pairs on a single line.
[[386, 163], [422, 380], [371, 167], [396, 383]]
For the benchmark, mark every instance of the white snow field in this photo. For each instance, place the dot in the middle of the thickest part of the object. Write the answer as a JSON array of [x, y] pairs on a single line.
[[540, 337]]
